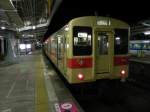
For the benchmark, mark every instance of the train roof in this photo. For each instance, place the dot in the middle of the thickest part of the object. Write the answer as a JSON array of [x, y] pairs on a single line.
[[101, 20], [92, 20]]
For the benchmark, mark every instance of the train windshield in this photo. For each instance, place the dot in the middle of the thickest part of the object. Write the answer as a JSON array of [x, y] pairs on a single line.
[[121, 41], [82, 40]]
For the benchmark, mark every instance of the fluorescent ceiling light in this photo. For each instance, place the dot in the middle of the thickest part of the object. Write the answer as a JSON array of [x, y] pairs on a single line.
[[147, 33], [117, 38], [27, 23], [146, 41], [34, 27], [3, 27], [12, 3], [31, 27], [146, 24]]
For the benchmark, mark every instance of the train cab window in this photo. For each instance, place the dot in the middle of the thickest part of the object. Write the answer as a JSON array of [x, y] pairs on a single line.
[[121, 41], [103, 43], [82, 40]]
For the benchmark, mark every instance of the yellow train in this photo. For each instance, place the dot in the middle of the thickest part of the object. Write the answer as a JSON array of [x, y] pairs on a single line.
[[90, 48]]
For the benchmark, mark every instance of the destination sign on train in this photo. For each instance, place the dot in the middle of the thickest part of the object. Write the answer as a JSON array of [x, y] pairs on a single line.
[[103, 22]]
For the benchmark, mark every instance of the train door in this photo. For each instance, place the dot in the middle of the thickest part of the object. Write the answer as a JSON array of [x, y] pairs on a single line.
[[60, 52], [103, 52]]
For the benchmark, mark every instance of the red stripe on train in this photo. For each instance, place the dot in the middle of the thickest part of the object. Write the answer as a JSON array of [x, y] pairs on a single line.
[[121, 60], [80, 62]]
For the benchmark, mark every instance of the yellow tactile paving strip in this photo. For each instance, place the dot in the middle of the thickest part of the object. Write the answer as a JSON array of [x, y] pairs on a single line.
[[40, 88]]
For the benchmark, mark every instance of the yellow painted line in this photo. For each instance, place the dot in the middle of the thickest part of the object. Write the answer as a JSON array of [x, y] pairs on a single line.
[[41, 96]]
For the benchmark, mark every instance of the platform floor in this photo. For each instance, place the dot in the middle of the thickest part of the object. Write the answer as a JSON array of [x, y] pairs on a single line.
[[29, 85], [145, 60]]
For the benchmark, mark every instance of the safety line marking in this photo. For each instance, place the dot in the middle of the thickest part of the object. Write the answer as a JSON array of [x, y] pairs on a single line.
[[50, 89], [40, 90]]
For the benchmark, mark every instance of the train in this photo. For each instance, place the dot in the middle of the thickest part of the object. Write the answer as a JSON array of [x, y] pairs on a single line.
[[90, 48], [139, 48]]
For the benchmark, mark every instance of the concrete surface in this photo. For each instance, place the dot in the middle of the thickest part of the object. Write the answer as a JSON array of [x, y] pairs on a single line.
[[30, 85], [17, 85]]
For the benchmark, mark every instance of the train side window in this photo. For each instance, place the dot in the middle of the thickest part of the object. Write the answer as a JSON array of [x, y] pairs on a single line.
[[65, 43], [103, 43], [60, 46], [53, 46], [49, 46]]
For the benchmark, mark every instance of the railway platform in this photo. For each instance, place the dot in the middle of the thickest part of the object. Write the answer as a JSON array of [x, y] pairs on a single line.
[[139, 71], [144, 60], [29, 85]]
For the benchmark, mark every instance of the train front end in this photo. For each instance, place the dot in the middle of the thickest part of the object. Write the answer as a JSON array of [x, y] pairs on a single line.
[[98, 49]]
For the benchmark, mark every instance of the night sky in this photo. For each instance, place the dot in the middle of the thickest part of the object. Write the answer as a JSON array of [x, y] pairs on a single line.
[[128, 11]]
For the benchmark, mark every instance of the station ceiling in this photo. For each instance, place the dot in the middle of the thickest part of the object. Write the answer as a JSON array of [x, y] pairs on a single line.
[[8, 15], [19, 13]]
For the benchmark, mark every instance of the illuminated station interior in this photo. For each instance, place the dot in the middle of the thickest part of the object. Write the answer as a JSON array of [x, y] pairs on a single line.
[[50, 60]]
